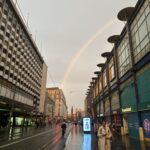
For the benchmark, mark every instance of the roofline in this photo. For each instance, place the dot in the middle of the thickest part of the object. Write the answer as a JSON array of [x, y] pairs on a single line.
[[26, 29], [138, 5]]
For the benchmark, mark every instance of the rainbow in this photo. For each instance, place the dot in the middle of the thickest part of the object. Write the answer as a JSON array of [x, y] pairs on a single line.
[[84, 47]]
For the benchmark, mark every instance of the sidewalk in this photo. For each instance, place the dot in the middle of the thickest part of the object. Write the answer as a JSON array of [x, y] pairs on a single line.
[[10, 134], [77, 140]]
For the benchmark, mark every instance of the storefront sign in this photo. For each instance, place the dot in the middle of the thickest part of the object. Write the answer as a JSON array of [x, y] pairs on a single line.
[[126, 109], [86, 124], [146, 125]]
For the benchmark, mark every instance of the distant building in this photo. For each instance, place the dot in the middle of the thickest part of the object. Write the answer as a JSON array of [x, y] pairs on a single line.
[[79, 114], [43, 88], [49, 106], [60, 102]]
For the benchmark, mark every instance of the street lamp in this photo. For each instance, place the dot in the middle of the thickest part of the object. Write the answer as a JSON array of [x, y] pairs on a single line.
[[125, 13], [101, 65], [106, 54], [97, 72]]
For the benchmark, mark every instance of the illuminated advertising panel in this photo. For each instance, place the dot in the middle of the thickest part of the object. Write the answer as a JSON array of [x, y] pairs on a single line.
[[86, 124]]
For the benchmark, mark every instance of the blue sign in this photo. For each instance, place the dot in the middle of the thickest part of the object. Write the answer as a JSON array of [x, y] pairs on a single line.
[[86, 124]]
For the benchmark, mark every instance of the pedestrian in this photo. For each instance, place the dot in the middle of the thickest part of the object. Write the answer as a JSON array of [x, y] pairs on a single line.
[[108, 137], [96, 126], [102, 136], [63, 127]]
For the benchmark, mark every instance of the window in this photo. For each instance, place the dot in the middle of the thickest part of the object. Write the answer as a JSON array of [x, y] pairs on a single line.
[[124, 58], [140, 29], [111, 70], [104, 79]]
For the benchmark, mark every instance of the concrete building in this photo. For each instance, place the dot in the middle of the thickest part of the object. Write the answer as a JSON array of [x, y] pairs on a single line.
[[60, 102], [120, 93], [21, 67], [43, 89]]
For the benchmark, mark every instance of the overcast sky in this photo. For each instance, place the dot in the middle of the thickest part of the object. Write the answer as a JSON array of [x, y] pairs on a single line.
[[71, 35]]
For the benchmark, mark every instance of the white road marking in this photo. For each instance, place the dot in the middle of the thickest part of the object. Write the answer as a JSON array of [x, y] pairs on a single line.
[[6, 145]]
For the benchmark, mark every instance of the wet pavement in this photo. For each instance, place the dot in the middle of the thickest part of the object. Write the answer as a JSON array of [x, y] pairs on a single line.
[[77, 140], [33, 139], [51, 139]]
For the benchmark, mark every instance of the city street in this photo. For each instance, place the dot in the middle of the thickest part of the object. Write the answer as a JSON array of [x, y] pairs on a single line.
[[35, 139], [74, 75]]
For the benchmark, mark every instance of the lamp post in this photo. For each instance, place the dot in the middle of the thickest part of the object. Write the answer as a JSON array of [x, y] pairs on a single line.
[[101, 66], [113, 40], [107, 55]]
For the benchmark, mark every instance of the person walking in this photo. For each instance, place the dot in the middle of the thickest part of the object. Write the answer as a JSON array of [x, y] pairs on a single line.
[[108, 137], [102, 136], [63, 127], [96, 126]]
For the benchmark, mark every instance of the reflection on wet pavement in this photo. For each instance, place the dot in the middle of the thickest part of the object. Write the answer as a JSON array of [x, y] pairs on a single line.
[[10, 134], [87, 140], [77, 140]]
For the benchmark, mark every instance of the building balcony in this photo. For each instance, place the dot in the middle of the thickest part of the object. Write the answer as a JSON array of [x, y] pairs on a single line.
[[5, 76], [9, 51], [1, 41], [9, 23], [1, 73], [8, 59], [12, 36], [7, 67], [4, 16], [1, 32], [11, 71], [2, 64], [12, 63], [14, 82], [3, 24], [10, 79], [11, 44], [4, 55]]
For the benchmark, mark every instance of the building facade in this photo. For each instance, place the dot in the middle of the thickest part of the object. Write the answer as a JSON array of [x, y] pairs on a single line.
[[49, 109], [120, 93], [60, 102], [21, 67], [43, 89]]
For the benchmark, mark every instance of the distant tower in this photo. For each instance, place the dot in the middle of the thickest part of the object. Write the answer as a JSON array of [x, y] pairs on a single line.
[[72, 115]]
